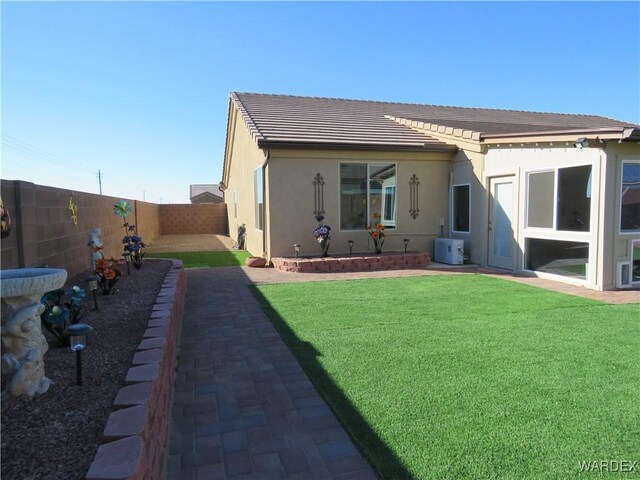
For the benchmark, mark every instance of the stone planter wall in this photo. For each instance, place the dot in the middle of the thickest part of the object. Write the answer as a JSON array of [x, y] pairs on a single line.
[[353, 263], [135, 436]]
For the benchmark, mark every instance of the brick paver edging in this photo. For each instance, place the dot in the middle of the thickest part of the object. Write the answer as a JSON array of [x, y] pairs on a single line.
[[354, 263], [136, 431]]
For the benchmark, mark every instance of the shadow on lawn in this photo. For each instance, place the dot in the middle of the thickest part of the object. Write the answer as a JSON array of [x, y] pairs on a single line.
[[376, 451]]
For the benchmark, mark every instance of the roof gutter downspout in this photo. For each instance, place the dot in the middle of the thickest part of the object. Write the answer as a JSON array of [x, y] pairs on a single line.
[[264, 203]]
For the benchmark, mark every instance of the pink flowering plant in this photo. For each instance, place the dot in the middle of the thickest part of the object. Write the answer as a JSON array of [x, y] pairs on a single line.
[[323, 235]]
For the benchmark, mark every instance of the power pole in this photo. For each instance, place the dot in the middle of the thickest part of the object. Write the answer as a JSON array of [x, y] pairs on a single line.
[[100, 181]]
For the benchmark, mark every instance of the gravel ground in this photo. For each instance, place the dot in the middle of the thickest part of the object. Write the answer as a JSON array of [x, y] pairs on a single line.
[[55, 436]]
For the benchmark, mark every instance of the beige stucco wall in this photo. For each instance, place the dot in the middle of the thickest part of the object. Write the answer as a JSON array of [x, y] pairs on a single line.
[[466, 168], [244, 157], [291, 199], [616, 244]]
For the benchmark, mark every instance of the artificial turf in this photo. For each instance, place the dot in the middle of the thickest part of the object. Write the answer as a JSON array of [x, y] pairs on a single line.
[[205, 259], [468, 376]]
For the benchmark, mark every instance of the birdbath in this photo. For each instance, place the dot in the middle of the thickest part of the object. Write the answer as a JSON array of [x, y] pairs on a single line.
[[23, 344]]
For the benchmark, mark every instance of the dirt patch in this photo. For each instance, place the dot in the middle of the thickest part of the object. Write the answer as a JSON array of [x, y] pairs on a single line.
[[56, 436], [191, 243]]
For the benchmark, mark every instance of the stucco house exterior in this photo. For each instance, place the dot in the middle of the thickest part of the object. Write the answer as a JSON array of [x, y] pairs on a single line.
[[553, 195]]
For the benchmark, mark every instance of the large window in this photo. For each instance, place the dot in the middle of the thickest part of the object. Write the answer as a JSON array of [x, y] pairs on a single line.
[[630, 197], [560, 257], [460, 208], [560, 199], [257, 175], [367, 189]]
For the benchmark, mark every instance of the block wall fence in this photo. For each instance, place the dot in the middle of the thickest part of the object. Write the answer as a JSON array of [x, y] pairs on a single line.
[[43, 231]]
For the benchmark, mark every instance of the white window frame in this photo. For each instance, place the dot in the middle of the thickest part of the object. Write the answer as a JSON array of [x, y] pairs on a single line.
[[555, 200], [385, 221], [453, 189], [620, 231], [257, 177], [631, 282], [369, 217], [544, 233]]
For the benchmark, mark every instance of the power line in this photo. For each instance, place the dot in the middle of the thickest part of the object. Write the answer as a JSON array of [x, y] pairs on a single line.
[[36, 152]]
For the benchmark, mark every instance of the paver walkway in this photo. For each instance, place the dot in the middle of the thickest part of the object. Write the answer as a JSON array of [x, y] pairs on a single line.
[[243, 407]]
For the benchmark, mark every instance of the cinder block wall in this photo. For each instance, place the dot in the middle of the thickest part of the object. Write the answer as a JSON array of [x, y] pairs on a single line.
[[44, 233], [197, 219]]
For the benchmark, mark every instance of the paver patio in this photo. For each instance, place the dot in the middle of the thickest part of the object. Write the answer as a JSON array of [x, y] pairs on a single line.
[[243, 407]]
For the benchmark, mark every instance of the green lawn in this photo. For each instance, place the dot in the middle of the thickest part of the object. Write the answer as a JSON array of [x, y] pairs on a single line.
[[468, 376], [205, 259]]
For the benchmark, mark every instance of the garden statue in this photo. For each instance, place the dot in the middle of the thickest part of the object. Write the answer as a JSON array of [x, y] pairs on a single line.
[[242, 233], [95, 246], [23, 344]]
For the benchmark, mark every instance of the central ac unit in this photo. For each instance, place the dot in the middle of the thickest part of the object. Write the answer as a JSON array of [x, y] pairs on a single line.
[[449, 250]]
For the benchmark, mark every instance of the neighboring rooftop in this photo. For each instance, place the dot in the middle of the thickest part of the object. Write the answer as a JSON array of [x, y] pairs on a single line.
[[200, 188], [283, 120]]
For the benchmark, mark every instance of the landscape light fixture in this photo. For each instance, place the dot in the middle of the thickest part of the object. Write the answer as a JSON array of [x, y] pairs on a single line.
[[77, 334], [581, 143], [350, 242], [93, 286], [127, 259], [296, 249], [406, 244]]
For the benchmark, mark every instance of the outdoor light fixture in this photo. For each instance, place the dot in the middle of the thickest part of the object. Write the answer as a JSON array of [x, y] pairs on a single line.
[[406, 244], [350, 242], [581, 143], [127, 259], [77, 334], [93, 286], [296, 249]]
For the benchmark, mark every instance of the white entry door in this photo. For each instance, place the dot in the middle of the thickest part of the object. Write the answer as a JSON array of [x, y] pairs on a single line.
[[501, 234]]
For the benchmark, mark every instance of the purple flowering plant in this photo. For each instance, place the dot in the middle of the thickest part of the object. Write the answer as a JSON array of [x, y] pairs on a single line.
[[323, 235]]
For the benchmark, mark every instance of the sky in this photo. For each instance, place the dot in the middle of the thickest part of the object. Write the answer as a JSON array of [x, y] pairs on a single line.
[[139, 90]]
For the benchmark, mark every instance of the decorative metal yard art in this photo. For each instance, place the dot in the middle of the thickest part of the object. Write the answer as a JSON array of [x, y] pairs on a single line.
[[413, 196], [132, 241], [323, 235]]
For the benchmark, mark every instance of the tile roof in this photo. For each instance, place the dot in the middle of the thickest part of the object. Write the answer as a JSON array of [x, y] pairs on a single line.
[[280, 120]]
